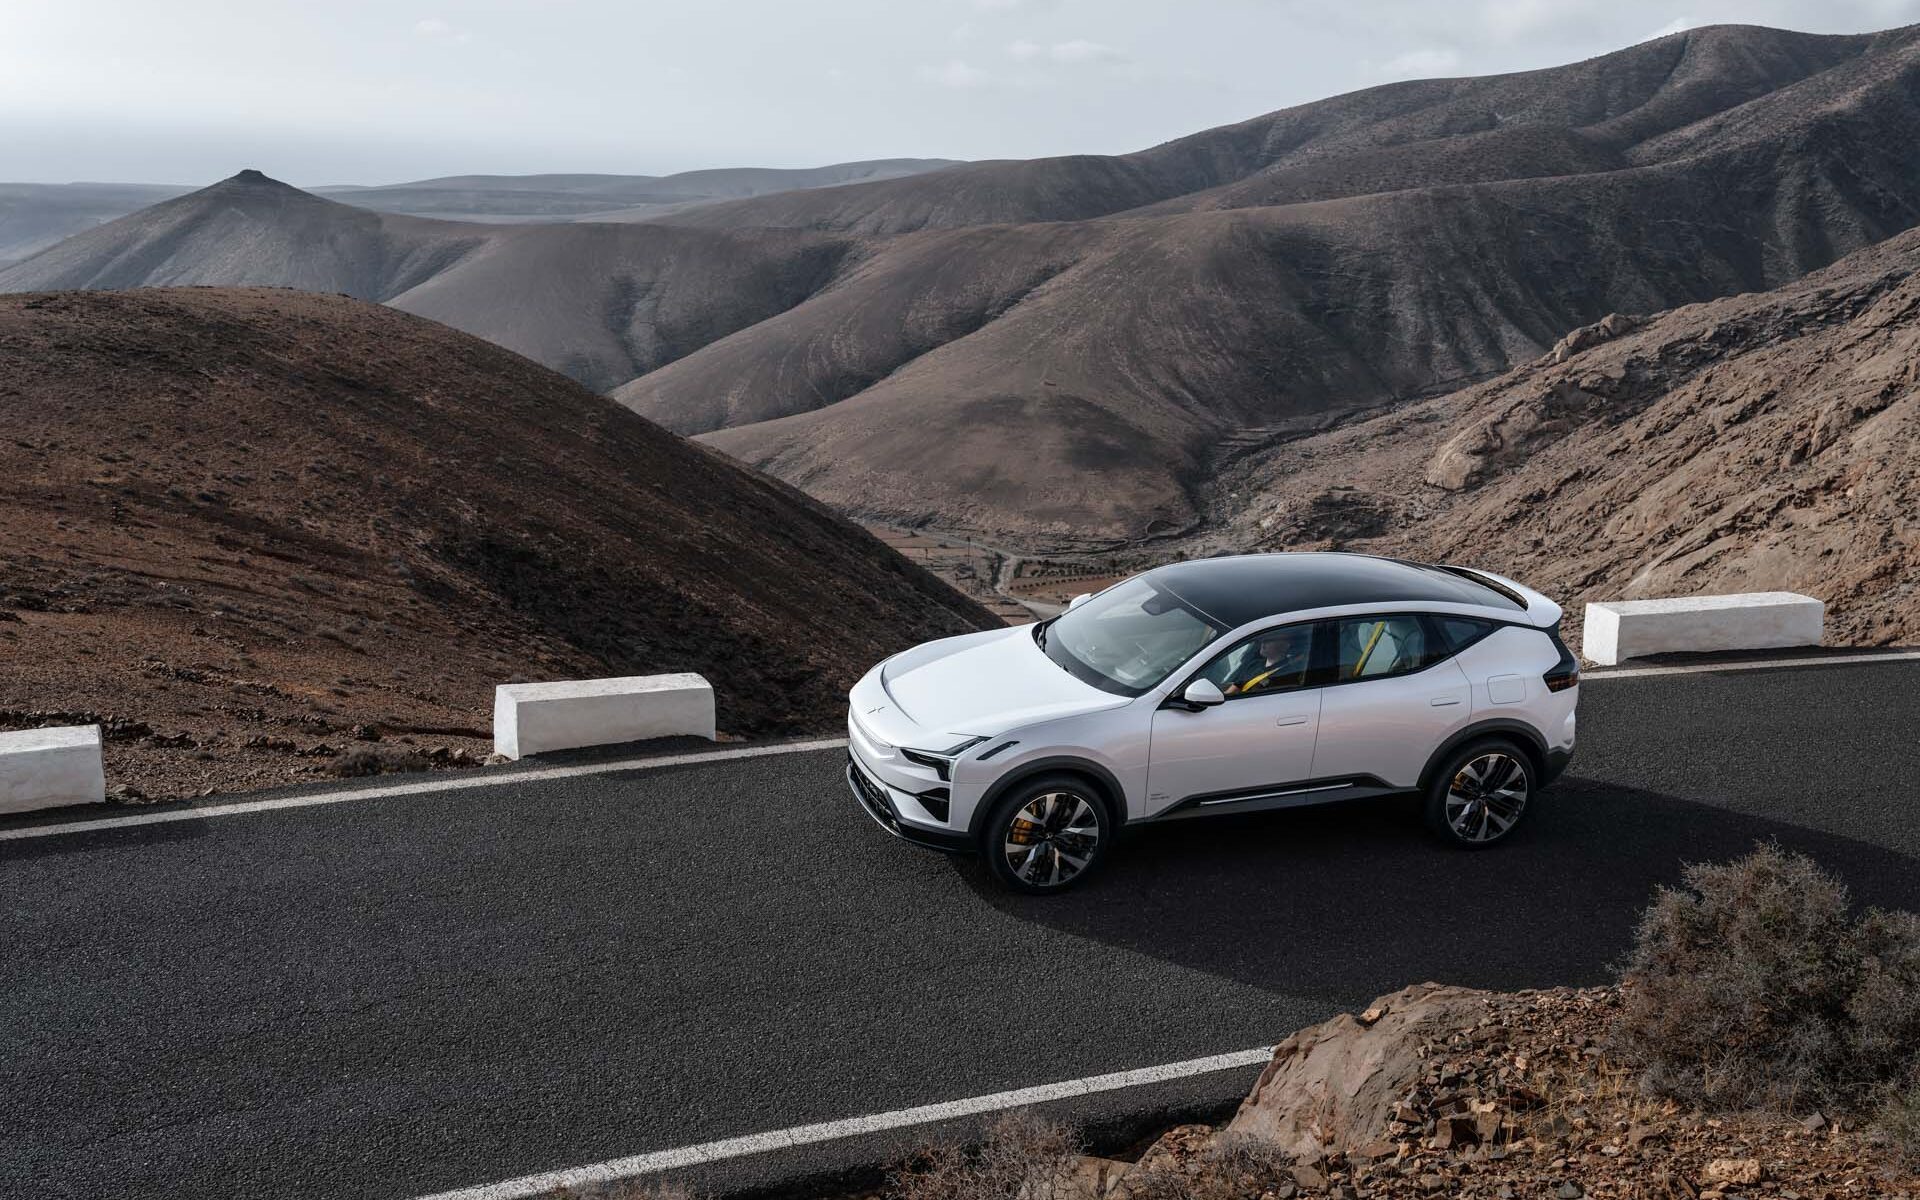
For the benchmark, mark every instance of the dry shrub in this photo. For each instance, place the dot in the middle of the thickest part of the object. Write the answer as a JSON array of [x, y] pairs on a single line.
[[1024, 1157], [1751, 986], [362, 761], [1232, 1167], [1899, 1122]]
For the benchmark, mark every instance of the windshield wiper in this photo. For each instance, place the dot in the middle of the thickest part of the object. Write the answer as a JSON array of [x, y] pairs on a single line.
[[1040, 632]]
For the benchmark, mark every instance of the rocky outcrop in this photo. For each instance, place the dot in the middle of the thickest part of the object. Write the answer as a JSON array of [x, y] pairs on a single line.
[[1333, 1088]]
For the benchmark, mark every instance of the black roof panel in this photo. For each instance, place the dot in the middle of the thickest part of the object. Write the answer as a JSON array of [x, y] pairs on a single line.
[[1247, 587]]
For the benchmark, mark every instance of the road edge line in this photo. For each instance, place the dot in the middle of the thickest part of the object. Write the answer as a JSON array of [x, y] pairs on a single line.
[[462, 783], [527, 1187]]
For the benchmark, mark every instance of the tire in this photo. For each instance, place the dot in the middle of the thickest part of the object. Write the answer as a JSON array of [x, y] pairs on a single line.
[[1480, 794], [1047, 835]]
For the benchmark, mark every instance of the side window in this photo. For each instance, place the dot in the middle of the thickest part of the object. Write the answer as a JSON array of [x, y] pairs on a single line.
[[1273, 660], [1376, 647], [1460, 632]]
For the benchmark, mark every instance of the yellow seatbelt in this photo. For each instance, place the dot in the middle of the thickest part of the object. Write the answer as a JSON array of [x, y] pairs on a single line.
[[1379, 627], [1257, 680]]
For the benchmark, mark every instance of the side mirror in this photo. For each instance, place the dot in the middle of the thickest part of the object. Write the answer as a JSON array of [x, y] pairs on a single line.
[[1203, 693], [1077, 601]]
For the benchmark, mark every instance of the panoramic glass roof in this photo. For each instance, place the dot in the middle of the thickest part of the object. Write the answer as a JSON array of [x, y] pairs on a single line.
[[1243, 588]]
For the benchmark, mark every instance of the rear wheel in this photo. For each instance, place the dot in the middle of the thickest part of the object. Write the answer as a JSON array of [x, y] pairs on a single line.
[[1480, 793], [1046, 835]]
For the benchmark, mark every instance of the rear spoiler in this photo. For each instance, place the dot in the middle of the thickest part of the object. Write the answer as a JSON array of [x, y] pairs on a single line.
[[1540, 610]]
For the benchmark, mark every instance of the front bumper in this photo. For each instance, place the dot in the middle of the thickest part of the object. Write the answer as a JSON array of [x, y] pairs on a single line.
[[873, 798]]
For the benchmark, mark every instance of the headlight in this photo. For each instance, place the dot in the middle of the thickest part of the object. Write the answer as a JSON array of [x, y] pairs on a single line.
[[941, 761]]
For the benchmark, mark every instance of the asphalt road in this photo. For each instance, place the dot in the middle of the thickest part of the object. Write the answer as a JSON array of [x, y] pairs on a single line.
[[387, 998]]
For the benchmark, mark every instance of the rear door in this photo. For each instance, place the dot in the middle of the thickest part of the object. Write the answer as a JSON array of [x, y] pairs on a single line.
[[1394, 694]]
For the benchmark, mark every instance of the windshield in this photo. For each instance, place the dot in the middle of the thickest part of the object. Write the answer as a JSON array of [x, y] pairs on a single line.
[[1126, 639]]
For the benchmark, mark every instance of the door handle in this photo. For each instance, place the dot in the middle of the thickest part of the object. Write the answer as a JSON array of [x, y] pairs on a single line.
[[1443, 701], [1291, 721]]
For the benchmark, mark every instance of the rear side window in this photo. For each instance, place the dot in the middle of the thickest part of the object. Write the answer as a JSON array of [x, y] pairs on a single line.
[[1379, 647], [1457, 633]]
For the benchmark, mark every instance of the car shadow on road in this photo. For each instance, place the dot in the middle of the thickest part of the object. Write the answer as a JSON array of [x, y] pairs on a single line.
[[1352, 900]]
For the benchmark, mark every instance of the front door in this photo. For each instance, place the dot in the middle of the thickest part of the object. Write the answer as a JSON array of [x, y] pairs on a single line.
[[1259, 741]]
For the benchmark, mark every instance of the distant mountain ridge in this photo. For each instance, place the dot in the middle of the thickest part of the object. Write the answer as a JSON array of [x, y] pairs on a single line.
[[1067, 352], [608, 197], [601, 302]]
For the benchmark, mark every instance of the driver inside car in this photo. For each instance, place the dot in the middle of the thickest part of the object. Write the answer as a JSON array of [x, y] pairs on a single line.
[[1279, 660]]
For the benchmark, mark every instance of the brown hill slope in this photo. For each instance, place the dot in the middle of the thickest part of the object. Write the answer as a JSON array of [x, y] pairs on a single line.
[[602, 303], [255, 520], [1757, 443], [1083, 380]]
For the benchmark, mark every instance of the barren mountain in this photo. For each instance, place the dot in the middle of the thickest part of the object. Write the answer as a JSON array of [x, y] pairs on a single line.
[[287, 527], [599, 302], [1757, 443], [1044, 383]]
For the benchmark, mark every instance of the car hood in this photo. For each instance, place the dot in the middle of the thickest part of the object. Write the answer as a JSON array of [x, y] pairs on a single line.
[[983, 684]]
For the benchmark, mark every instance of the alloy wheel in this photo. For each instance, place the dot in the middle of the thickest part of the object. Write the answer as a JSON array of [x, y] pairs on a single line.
[[1051, 839], [1486, 797]]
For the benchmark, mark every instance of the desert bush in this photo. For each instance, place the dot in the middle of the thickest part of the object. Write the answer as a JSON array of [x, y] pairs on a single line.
[[1899, 1122], [1230, 1168], [1885, 1005], [372, 760], [1024, 1157], [1751, 986]]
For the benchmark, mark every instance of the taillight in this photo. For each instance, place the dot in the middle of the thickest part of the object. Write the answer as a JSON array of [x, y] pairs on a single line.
[[1566, 672]]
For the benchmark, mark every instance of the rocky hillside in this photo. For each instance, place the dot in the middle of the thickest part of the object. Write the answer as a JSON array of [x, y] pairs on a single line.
[[1763, 442], [251, 531]]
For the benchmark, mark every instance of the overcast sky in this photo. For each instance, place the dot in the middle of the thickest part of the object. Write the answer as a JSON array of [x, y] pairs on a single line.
[[374, 91]]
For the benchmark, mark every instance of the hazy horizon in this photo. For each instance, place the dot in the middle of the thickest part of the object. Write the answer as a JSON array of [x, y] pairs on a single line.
[[360, 93]]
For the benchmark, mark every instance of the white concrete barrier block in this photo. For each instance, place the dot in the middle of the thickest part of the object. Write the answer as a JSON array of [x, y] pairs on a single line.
[[46, 768], [534, 718], [1621, 629]]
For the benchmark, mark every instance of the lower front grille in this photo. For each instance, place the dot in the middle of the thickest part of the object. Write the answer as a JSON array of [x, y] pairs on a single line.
[[871, 796]]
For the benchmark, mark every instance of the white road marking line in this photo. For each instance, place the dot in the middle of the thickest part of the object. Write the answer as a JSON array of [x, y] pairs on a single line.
[[1754, 665], [459, 783], [806, 1135]]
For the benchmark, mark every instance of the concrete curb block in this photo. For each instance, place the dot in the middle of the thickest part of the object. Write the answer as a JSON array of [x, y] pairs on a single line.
[[49, 768], [1619, 629], [536, 718]]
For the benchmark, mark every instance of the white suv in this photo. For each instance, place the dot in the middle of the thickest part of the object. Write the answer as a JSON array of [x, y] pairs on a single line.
[[1221, 685]]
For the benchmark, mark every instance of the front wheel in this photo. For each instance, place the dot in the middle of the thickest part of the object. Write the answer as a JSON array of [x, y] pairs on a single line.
[[1479, 794], [1046, 835]]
